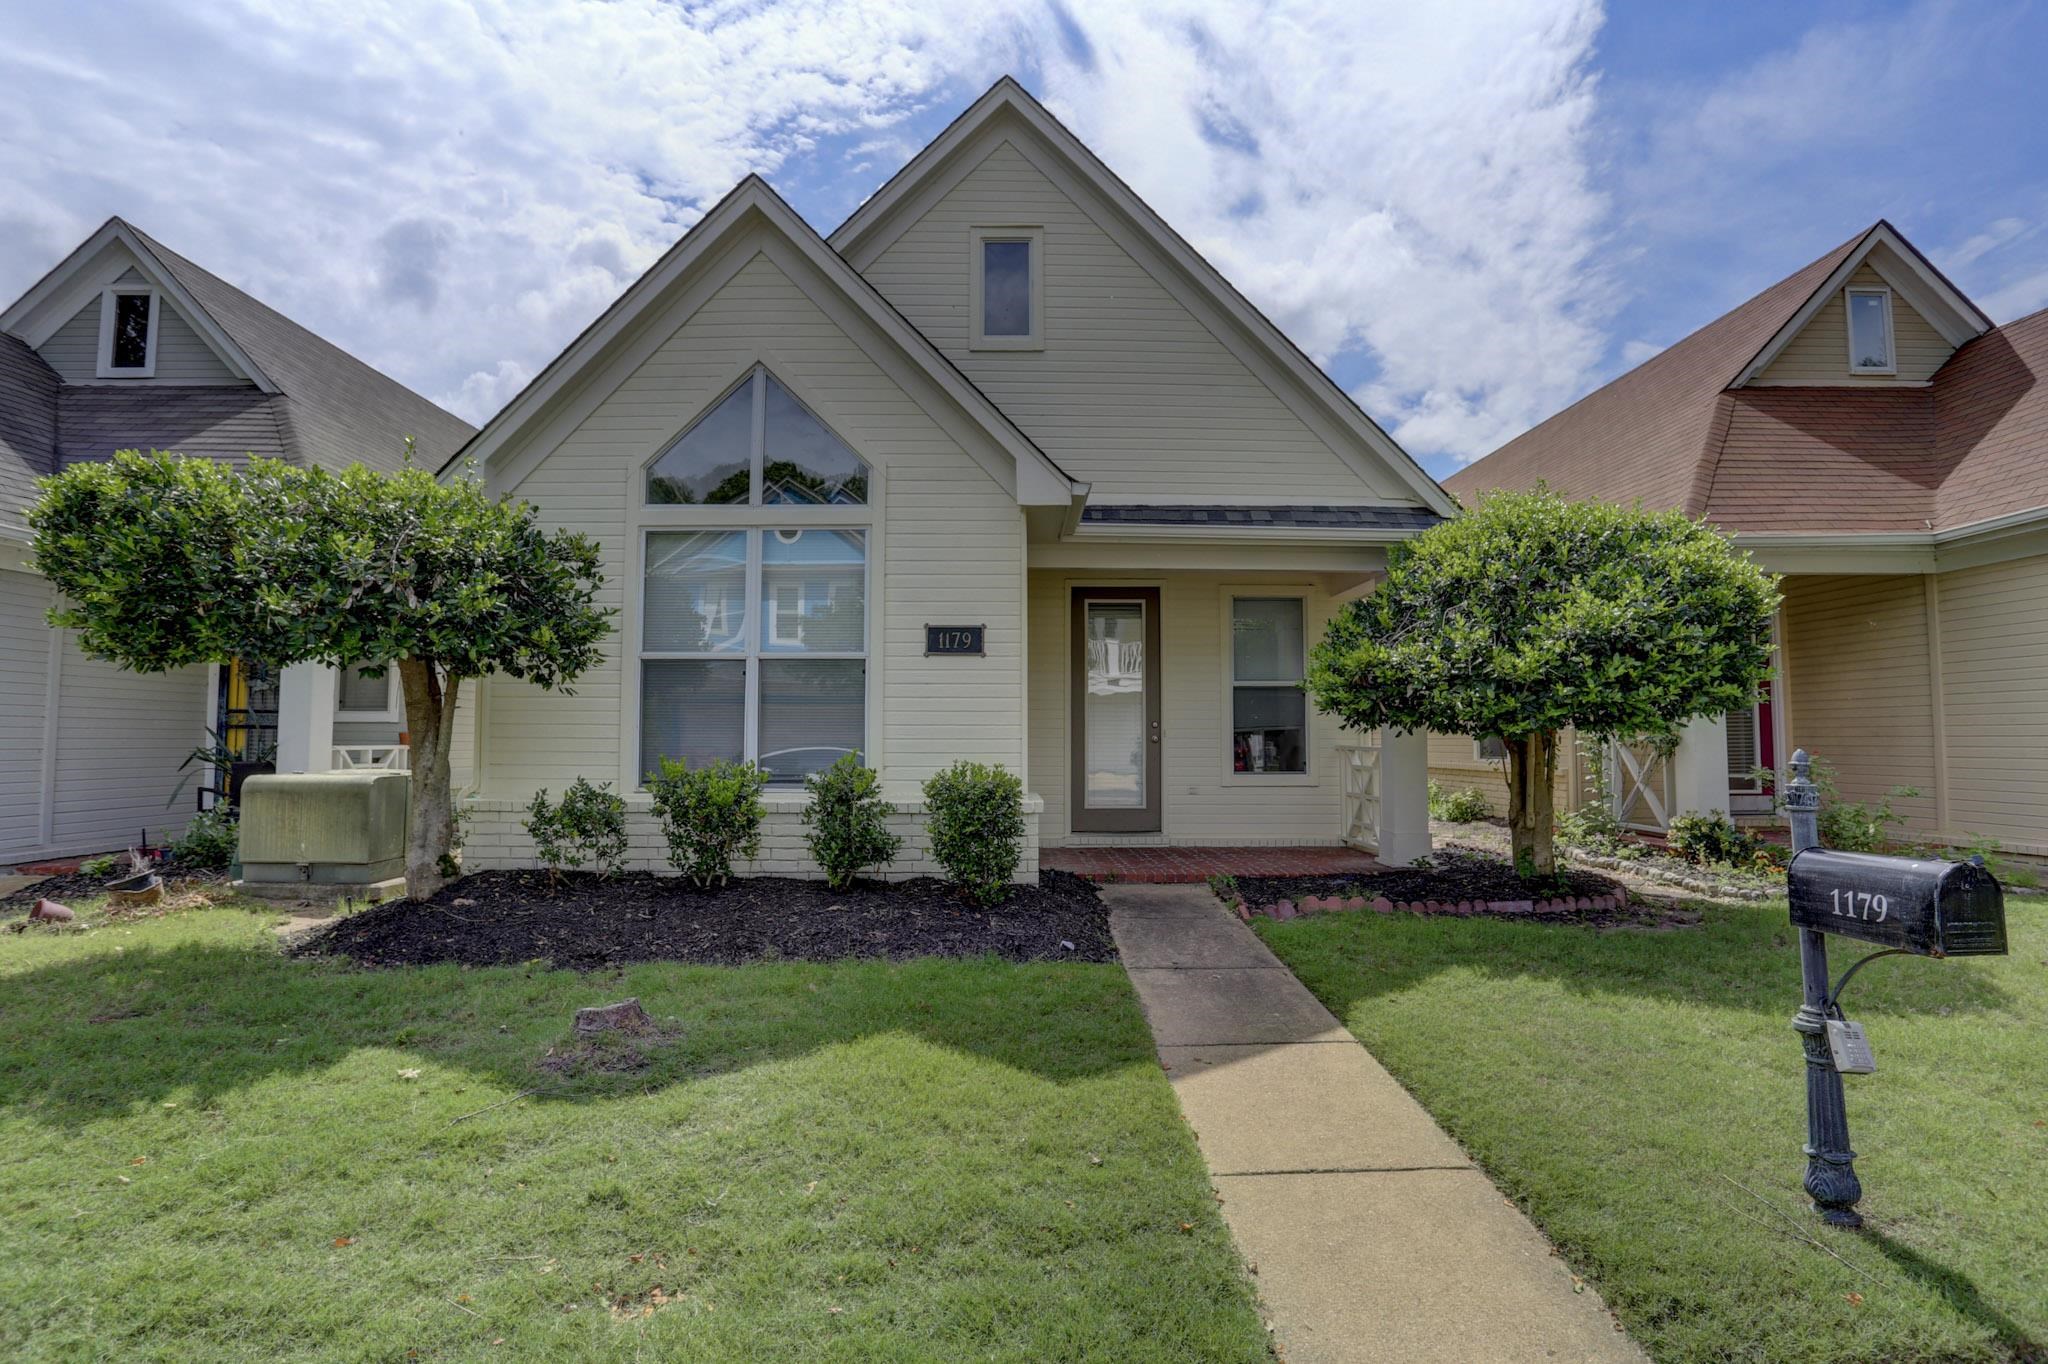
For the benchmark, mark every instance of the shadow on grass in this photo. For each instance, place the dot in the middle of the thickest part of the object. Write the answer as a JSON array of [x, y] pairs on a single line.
[[1736, 958], [1961, 1294], [106, 1033]]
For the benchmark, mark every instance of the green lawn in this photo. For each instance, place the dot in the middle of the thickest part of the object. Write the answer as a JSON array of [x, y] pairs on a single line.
[[212, 1152], [1616, 1083]]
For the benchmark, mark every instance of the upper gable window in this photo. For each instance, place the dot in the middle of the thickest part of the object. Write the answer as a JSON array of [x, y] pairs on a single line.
[[1870, 331], [758, 446], [1008, 288], [127, 334]]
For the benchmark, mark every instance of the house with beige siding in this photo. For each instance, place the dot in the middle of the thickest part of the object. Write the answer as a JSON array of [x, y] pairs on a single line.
[[1002, 470], [127, 345], [1863, 429]]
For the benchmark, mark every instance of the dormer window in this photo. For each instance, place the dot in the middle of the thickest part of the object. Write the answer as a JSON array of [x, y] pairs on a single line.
[[1008, 288], [1870, 332], [127, 334]]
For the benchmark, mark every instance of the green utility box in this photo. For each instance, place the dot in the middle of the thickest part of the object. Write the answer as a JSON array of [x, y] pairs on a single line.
[[324, 828]]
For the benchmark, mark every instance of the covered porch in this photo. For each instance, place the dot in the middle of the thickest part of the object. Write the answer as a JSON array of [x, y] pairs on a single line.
[[1166, 721]]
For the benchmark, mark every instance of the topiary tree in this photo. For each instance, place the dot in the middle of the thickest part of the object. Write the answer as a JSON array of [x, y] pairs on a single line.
[[165, 561], [1530, 615]]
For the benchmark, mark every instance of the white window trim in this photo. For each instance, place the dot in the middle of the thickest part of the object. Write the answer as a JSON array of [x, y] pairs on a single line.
[[1480, 755], [1227, 668], [976, 338], [1891, 338], [106, 369], [758, 518], [392, 709]]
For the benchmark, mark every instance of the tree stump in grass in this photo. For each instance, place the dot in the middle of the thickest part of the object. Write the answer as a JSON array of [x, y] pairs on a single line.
[[625, 1016]]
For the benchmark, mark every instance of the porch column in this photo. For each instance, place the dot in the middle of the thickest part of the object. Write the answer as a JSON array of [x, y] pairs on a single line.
[[1699, 769], [1404, 797], [305, 718]]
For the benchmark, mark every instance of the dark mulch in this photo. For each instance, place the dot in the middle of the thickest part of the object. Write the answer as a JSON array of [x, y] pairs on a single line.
[[501, 918], [1452, 875]]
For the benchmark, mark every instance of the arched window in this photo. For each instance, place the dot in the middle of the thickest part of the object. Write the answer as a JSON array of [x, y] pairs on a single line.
[[754, 628]]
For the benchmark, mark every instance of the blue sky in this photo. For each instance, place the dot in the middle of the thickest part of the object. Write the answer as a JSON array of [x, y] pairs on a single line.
[[1470, 213]]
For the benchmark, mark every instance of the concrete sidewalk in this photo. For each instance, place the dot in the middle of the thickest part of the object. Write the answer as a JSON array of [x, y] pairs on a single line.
[[1373, 1235]]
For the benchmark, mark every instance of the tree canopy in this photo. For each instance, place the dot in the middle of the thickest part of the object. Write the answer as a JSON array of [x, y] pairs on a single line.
[[165, 561], [1531, 614]]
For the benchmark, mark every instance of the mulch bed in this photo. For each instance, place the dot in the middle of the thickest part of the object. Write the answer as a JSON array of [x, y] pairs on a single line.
[[502, 918], [1453, 876]]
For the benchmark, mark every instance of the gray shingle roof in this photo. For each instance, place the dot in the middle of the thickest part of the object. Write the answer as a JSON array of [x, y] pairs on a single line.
[[1318, 518], [341, 410], [28, 429], [95, 420]]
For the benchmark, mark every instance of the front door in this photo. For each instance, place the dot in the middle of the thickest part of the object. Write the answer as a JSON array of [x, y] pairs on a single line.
[[1116, 710]]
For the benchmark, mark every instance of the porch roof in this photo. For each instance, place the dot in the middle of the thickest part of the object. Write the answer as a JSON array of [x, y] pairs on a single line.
[[1259, 518]]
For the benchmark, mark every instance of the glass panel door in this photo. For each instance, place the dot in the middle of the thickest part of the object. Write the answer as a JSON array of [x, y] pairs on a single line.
[[1113, 706]]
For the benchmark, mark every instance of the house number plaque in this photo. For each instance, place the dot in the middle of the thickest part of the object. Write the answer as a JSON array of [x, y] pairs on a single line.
[[962, 640]]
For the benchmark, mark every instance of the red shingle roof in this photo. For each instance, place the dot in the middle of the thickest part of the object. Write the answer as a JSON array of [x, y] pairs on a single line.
[[1969, 447], [1649, 436]]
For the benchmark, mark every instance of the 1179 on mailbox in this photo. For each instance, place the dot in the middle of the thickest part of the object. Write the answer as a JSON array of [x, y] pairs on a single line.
[[1920, 905]]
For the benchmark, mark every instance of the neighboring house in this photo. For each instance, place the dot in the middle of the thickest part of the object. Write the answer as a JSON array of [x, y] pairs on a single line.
[[1863, 429], [128, 345], [1003, 471]]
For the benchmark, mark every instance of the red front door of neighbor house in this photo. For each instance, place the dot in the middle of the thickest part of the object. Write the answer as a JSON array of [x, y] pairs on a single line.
[[1752, 756], [1115, 712]]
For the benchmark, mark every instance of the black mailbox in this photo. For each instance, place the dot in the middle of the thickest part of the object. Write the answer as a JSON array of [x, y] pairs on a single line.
[[1922, 905]]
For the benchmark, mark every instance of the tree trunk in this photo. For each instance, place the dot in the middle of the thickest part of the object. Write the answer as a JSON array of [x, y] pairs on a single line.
[[1532, 771], [430, 726]]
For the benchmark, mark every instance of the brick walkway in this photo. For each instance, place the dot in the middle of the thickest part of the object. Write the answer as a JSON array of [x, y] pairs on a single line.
[[1199, 864]]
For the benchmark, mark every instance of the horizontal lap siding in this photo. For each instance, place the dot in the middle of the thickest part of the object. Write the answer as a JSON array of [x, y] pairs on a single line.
[[950, 548], [1132, 392], [1861, 690], [1994, 649], [1203, 802], [24, 684], [1821, 350], [182, 355], [121, 739]]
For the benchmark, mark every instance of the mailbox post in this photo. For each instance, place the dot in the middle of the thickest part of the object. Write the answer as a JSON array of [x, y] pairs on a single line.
[[1921, 906], [1830, 1165]]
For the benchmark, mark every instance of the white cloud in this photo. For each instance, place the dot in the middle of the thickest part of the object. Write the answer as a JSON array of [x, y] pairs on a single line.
[[2027, 294], [452, 192], [1998, 234]]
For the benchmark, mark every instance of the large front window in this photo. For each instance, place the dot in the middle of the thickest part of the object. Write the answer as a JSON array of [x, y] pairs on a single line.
[[1268, 709], [754, 634]]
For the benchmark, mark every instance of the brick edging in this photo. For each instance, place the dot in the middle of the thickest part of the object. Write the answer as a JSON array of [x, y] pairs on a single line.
[[1327, 904]]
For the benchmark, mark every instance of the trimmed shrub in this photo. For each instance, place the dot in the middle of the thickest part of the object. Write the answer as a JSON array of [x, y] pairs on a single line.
[[1457, 807], [710, 816], [975, 815], [847, 822], [586, 827], [1711, 837], [209, 841]]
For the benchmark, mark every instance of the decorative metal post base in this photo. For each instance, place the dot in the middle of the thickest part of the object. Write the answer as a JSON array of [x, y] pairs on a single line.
[[1830, 1174], [1830, 1165]]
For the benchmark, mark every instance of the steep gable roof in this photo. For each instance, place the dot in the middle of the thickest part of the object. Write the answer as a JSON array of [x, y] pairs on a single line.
[[1301, 383], [1652, 434], [574, 377], [342, 410], [331, 408], [1684, 430]]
